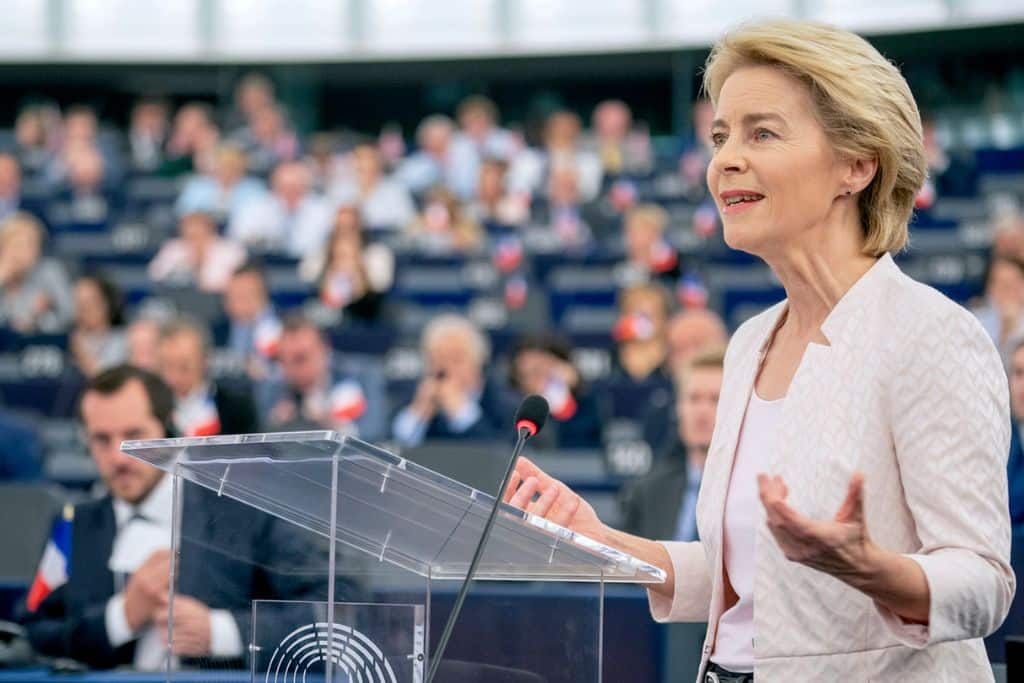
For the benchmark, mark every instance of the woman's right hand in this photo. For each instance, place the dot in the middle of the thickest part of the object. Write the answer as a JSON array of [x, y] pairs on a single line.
[[557, 502]]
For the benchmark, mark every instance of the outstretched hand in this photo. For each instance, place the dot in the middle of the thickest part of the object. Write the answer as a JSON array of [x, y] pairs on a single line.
[[840, 547], [556, 501]]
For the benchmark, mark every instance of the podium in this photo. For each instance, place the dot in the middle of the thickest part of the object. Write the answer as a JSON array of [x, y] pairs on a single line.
[[334, 559]]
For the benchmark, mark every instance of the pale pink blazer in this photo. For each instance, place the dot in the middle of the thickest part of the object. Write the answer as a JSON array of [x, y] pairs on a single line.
[[911, 392]]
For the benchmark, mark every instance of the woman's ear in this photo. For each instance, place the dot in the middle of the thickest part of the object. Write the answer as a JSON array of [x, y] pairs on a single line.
[[860, 173]]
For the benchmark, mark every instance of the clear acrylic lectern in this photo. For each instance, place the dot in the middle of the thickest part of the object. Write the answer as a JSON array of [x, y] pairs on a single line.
[[325, 558]]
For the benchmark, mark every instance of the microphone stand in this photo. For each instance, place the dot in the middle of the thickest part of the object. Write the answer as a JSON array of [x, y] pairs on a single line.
[[524, 434]]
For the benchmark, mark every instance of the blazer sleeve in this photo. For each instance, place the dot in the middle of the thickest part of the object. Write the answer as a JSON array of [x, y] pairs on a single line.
[[949, 417], [691, 600]]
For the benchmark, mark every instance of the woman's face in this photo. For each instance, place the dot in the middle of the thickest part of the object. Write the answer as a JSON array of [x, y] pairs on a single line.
[[90, 307], [771, 155], [533, 370], [1006, 286]]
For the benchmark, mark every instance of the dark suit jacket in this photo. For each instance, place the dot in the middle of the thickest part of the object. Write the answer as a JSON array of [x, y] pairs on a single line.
[[1015, 476], [650, 504], [226, 573], [495, 418], [236, 410]]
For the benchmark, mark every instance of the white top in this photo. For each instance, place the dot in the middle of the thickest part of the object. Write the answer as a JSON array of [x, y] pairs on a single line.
[[734, 646]]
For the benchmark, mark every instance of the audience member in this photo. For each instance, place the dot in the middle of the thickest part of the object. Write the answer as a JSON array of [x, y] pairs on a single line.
[[663, 503], [292, 219], [562, 147], [350, 275], [253, 93], [10, 187], [454, 399], [81, 132], [87, 198], [689, 332], [383, 203], [444, 227], [36, 135], [493, 204], [565, 216], [267, 140], [478, 125], [696, 152], [442, 159], [649, 255], [313, 387], [21, 453], [641, 383], [1002, 312], [35, 294], [199, 257], [254, 328], [1015, 462], [541, 364], [192, 130], [225, 190], [111, 608], [202, 407], [143, 337], [621, 149], [147, 134], [97, 341]]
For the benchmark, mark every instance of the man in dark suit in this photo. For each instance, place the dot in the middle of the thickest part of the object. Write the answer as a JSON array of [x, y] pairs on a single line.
[[202, 407], [111, 605], [662, 504], [454, 400]]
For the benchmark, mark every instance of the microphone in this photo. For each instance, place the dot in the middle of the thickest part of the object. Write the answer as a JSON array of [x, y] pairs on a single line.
[[529, 420]]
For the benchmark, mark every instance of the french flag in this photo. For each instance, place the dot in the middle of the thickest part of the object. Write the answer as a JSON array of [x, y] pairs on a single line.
[[53, 568], [691, 291], [508, 254], [560, 398], [268, 336], [633, 327], [348, 402], [202, 420]]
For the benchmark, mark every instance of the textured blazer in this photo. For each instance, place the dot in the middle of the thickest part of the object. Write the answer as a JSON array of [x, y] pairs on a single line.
[[910, 391]]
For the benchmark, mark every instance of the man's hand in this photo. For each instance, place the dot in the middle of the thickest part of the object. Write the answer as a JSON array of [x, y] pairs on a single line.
[[452, 395], [191, 636], [147, 589], [424, 403]]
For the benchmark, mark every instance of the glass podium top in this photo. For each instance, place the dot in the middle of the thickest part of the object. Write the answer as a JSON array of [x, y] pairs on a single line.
[[387, 507]]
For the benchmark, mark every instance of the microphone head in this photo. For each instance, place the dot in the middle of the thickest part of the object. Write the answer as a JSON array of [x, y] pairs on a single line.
[[532, 414]]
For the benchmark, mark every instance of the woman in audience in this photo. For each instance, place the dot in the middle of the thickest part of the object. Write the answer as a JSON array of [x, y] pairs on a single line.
[[494, 204], [853, 509], [350, 275], [222, 191], [34, 291], [199, 257], [541, 364], [444, 227], [1002, 312], [648, 254], [97, 341]]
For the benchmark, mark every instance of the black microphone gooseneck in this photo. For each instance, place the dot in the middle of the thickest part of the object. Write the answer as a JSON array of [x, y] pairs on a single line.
[[530, 418]]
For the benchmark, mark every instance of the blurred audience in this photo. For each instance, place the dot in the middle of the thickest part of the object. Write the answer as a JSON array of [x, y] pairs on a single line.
[[254, 329], [541, 364], [562, 147], [444, 226], [21, 455], [383, 203], [350, 275], [198, 257], [192, 136], [1015, 461], [292, 219], [442, 159], [454, 399], [253, 93], [1002, 311], [36, 136], [315, 388], [105, 603], [35, 294], [494, 204], [564, 216], [649, 255], [689, 332], [202, 407], [267, 140], [143, 338], [97, 340], [148, 132], [663, 503], [224, 190], [10, 186], [478, 125], [622, 149]]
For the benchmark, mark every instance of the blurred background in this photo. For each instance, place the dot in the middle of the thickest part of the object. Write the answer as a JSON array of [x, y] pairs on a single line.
[[365, 215]]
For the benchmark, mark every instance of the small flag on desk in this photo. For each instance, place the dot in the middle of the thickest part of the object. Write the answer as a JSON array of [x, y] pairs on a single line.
[[54, 567], [691, 291], [348, 402], [267, 337]]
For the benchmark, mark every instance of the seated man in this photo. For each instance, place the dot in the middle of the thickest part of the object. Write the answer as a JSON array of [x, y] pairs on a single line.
[[254, 329], [453, 400], [313, 388], [107, 602], [663, 503], [202, 407]]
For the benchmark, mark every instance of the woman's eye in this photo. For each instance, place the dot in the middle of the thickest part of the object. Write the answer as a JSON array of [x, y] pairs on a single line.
[[762, 134], [717, 139]]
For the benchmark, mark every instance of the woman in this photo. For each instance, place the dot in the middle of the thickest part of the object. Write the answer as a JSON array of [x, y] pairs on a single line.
[[351, 276], [97, 341], [34, 290], [199, 257], [853, 512], [443, 226]]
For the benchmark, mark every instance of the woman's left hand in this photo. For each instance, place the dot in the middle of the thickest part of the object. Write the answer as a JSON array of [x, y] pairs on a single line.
[[840, 547]]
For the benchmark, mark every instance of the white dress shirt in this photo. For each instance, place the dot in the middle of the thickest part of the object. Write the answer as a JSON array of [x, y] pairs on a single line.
[[141, 531]]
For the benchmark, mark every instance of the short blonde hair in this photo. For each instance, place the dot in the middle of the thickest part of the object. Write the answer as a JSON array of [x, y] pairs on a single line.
[[451, 323], [648, 213], [861, 100], [22, 222], [710, 357]]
